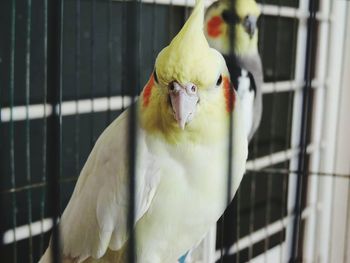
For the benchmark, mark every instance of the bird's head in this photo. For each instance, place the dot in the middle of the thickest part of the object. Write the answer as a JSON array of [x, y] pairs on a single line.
[[242, 18], [189, 94]]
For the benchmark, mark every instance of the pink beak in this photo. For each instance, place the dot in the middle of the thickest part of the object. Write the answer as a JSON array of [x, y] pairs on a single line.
[[184, 100]]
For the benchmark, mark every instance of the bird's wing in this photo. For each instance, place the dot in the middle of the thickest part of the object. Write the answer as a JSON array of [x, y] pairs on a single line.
[[254, 66], [96, 216]]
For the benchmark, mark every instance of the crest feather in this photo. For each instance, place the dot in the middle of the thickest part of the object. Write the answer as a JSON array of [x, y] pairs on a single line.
[[188, 58]]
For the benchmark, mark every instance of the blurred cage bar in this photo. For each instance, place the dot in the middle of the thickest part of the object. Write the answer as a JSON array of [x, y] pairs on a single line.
[[67, 70]]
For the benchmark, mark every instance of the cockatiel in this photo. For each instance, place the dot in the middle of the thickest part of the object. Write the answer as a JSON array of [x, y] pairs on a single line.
[[183, 118], [240, 52]]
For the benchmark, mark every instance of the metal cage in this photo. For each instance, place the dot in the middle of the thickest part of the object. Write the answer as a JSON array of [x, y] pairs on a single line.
[[69, 67]]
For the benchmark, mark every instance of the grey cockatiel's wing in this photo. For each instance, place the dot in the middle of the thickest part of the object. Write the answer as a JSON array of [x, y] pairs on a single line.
[[247, 78], [254, 66]]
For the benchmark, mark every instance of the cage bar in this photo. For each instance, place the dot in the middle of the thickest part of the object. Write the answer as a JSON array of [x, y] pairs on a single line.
[[54, 142], [324, 178]]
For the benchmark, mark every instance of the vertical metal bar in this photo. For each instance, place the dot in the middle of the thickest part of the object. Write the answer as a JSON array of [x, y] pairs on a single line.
[[316, 133], [252, 210], [238, 223], [132, 74], [170, 19], [109, 56], [27, 129], [347, 224], [302, 167], [272, 136], [2, 207], [154, 26], [222, 230], [288, 135], [92, 71], [44, 139], [123, 29], [255, 152], [231, 130], [54, 81], [11, 126], [230, 136], [77, 86], [296, 122]]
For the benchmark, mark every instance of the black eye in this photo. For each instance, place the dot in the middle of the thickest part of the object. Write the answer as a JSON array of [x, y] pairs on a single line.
[[218, 82], [155, 75], [171, 86]]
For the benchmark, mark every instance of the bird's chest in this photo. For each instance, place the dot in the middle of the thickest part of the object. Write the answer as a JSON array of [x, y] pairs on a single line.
[[188, 200], [192, 183]]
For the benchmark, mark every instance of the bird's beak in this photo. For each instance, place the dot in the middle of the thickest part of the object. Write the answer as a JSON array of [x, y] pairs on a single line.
[[184, 99], [249, 24]]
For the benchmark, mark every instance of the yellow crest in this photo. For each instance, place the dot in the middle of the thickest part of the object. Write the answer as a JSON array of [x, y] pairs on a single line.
[[188, 58]]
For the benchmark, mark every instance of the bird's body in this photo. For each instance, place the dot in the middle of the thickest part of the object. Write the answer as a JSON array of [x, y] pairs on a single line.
[[240, 51], [186, 195], [183, 118]]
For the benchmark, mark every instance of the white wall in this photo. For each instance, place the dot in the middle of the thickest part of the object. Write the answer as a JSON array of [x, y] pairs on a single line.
[[342, 162]]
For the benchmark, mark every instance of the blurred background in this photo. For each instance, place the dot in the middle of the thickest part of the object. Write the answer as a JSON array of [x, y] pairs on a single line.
[[287, 178]]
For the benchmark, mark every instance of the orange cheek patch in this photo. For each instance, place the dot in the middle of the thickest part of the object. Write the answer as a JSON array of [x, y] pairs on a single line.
[[147, 91], [230, 95], [213, 26]]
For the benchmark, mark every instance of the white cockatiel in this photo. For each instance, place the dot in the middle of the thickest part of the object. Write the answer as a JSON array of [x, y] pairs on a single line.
[[182, 159], [240, 52]]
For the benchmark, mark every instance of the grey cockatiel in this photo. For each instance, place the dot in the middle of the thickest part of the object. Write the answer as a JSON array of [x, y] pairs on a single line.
[[183, 118], [241, 52]]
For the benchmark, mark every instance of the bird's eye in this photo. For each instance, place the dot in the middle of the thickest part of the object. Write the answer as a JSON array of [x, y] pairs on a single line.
[[171, 86], [218, 82], [155, 75]]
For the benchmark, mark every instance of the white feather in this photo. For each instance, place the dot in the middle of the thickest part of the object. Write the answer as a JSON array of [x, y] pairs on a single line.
[[247, 97]]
